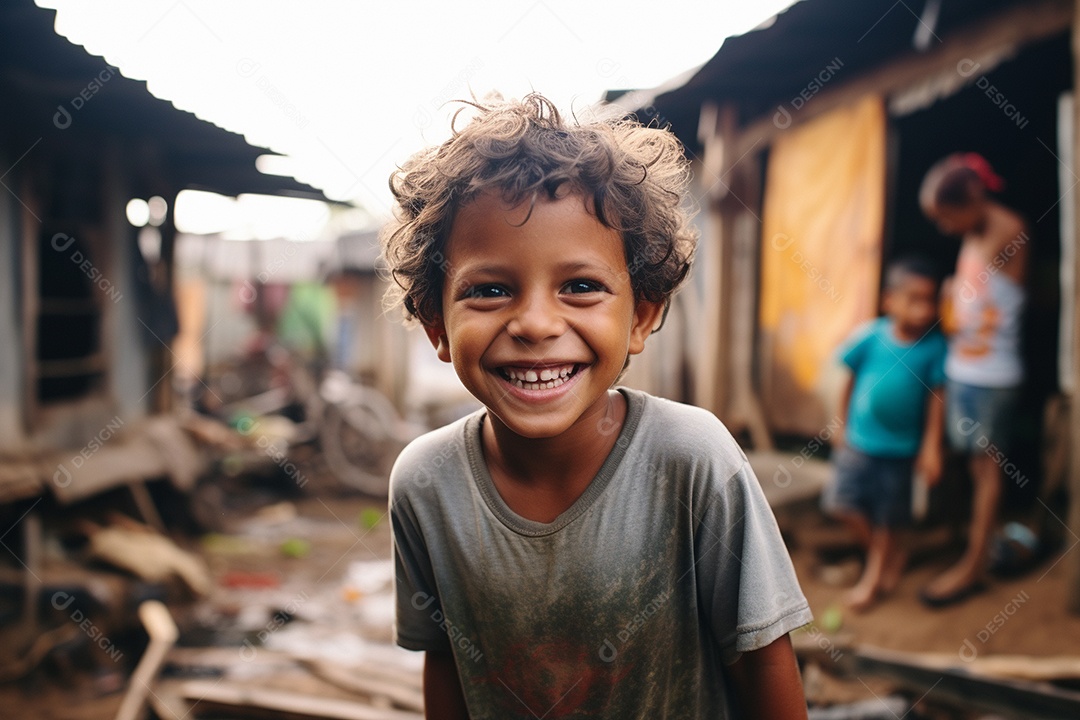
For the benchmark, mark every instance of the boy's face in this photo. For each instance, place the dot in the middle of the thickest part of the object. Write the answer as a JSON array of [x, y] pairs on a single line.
[[538, 315], [912, 304]]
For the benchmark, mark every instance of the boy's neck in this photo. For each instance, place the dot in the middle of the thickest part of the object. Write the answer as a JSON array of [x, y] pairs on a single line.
[[540, 478]]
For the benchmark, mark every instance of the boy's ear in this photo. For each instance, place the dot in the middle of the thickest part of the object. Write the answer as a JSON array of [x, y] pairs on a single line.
[[646, 317], [436, 333]]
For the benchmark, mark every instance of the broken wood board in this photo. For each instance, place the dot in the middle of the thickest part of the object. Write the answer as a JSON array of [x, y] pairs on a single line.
[[155, 448], [234, 694], [163, 633], [227, 657], [957, 685], [1016, 667], [368, 682], [150, 556]]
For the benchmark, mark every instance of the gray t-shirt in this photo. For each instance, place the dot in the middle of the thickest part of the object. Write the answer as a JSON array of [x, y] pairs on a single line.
[[626, 605]]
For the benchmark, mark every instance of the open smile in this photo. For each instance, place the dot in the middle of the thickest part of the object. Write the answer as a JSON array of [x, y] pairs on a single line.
[[548, 377]]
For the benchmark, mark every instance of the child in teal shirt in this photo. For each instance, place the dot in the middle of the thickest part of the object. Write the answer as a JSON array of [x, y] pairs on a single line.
[[892, 410]]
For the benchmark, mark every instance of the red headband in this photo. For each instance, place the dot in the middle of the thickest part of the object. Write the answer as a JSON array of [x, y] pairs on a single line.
[[978, 164]]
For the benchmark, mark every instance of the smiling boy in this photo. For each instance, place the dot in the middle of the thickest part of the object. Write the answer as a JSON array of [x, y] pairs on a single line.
[[574, 549]]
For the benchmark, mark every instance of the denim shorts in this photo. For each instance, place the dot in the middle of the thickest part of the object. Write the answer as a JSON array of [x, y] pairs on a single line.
[[977, 417], [878, 488]]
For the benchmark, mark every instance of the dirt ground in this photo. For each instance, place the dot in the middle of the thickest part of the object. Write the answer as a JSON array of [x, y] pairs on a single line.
[[1024, 616], [307, 555], [1033, 619]]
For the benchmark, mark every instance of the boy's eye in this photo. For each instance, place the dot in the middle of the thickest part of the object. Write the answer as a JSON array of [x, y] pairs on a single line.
[[583, 286], [485, 291]]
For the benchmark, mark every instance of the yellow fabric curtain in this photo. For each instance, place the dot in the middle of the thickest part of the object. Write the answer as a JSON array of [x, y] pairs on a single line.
[[824, 213]]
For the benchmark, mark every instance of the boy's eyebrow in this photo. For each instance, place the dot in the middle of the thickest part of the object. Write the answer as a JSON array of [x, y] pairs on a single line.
[[569, 266]]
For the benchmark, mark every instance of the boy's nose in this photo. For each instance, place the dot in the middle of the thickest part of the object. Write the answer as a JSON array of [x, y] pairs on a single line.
[[535, 319]]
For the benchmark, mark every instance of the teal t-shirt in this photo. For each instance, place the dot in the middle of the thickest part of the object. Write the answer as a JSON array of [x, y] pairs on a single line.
[[893, 380]]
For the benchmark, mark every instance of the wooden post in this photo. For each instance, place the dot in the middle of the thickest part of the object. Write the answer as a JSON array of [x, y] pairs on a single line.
[[1072, 559], [732, 199], [743, 205], [710, 389]]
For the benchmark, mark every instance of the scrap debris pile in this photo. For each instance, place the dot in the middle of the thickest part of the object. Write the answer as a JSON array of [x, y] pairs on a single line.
[[203, 563]]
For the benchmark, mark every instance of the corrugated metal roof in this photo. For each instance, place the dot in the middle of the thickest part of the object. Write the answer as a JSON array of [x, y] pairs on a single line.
[[40, 72], [770, 65]]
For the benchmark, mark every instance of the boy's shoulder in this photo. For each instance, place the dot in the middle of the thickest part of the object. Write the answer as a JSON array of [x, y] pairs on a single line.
[[682, 432]]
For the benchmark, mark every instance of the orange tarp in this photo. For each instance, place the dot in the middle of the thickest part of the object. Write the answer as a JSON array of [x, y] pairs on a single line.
[[824, 214]]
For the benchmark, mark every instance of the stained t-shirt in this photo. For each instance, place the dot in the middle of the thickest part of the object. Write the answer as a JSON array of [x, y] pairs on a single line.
[[669, 565], [988, 307], [893, 380]]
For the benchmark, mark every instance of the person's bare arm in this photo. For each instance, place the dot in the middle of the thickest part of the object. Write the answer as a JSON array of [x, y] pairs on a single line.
[[767, 684], [443, 698], [840, 434], [1010, 244], [929, 462]]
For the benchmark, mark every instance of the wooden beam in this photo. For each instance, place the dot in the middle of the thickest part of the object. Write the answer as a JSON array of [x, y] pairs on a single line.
[[1022, 24], [30, 226], [709, 391], [230, 693], [732, 196], [1016, 698], [1072, 558], [744, 208]]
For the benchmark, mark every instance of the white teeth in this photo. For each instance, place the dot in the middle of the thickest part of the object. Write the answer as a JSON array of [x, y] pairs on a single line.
[[547, 378]]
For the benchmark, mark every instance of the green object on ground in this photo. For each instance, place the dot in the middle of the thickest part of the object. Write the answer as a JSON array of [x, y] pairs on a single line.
[[295, 548], [832, 619], [370, 517]]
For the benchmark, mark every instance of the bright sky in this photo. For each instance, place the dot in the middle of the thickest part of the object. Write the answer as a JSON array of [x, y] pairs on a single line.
[[347, 90]]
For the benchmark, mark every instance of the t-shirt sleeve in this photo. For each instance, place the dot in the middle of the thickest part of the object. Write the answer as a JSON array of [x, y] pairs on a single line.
[[853, 350], [419, 614], [746, 582]]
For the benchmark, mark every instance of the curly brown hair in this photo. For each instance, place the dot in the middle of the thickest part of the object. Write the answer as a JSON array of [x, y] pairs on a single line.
[[635, 176]]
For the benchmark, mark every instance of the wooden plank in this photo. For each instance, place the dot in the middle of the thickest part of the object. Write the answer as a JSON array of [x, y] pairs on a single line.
[[744, 207], [1018, 698], [1072, 555], [1015, 667], [31, 281], [709, 390], [1023, 23], [163, 633], [72, 366], [223, 692], [368, 683], [227, 657]]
